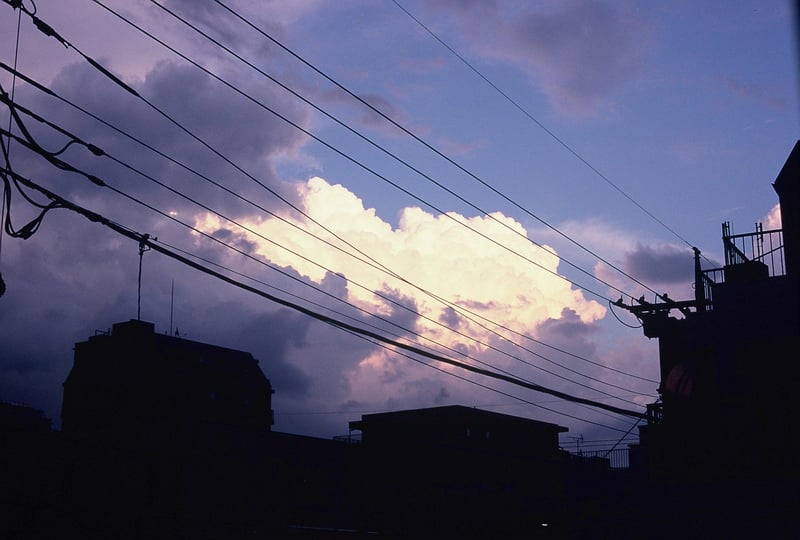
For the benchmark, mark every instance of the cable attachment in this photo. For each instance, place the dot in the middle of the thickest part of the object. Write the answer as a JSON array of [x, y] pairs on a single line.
[[48, 30], [18, 4]]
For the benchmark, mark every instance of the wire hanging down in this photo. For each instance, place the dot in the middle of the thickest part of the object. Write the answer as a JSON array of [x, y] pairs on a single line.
[[64, 166], [105, 72]]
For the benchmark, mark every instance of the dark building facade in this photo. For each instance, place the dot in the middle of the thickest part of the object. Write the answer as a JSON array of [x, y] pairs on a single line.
[[166, 437], [133, 381], [727, 357], [720, 446], [460, 471]]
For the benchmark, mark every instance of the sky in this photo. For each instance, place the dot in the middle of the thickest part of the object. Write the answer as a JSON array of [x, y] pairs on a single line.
[[476, 178]]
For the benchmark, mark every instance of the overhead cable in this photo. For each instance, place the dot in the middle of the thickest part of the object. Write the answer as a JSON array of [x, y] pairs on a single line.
[[339, 152], [392, 155], [436, 151], [460, 309], [544, 128], [67, 167], [155, 246]]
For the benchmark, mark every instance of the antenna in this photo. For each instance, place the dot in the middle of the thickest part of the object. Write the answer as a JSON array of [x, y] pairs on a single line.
[[142, 248], [171, 304]]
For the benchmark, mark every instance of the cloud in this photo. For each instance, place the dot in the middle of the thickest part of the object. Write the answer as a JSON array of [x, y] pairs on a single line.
[[245, 134], [772, 220], [771, 97], [228, 29], [75, 277], [579, 53], [663, 264], [568, 332], [367, 117], [436, 253]]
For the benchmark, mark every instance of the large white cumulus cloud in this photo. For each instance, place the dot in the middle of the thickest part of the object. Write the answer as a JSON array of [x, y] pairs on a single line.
[[510, 281]]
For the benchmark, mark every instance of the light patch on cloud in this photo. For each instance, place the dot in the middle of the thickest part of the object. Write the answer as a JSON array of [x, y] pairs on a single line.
[[762, 94], [772, 220], [436, 253]]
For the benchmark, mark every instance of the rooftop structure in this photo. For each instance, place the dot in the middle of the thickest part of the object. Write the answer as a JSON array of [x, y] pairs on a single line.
[[133, 382], [727, 356]]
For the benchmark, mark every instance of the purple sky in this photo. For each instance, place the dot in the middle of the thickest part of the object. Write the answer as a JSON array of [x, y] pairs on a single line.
[[689, 110]]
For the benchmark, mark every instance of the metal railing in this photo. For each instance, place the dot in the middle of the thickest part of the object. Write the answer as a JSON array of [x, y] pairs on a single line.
[[352, 438], [764, 247], [761, 246], [618, 458]]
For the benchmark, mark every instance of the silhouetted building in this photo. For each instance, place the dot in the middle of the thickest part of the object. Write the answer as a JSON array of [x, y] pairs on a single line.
[[30, 468], [18, 418], [724, 435], [135, 381], [167, 437], [460, 471]]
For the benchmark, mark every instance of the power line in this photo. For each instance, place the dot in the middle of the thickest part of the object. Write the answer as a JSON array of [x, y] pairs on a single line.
[[97, 151], [398, 159], [549, 132], [342, 154], [439, 153], [132, 91], [154, 245], [64, 166]]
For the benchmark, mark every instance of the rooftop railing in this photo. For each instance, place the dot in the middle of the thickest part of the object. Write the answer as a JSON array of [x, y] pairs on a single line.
[[757, 248]]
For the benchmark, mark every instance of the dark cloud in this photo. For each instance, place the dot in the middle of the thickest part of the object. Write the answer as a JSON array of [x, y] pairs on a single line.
[[419, 392], [587, 49], [450, 317], [269, 336], [334, 284], [579, 52], [239, 130], [568, 332], [224, 26], [236, 239], [367, 118], [402, 312], [660, 264]]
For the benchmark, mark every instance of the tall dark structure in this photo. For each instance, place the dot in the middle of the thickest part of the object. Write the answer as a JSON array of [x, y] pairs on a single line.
[[134, 382], [166, 437], [728, 374]]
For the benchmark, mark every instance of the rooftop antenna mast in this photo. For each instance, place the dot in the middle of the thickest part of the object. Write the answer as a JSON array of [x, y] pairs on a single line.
[[171, 304], [142, 248]]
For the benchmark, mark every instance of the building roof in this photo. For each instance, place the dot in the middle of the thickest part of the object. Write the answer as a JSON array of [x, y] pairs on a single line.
[[449, 414]]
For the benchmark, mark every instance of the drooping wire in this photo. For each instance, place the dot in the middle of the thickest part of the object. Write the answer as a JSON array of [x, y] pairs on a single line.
[[339, 152], [98, 152], [66, 167], [153, 244], [132, 91], [623, 323], [403, 162], [5, 200]]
